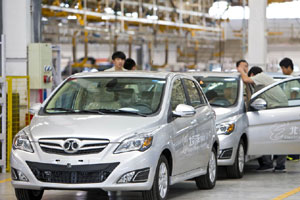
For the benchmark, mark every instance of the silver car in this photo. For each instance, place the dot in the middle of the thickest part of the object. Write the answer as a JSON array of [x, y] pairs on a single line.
[[118, 131], [243, 134]]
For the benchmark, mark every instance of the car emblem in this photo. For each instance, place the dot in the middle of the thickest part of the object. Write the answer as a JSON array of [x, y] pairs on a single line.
[[71, 145]]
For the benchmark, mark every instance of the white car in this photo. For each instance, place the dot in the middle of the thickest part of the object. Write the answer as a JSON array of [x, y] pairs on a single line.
[[262, 130], [118, 131]]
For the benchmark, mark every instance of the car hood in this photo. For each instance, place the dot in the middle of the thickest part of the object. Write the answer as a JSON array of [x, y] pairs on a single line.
[[112, 127], [223, 113]]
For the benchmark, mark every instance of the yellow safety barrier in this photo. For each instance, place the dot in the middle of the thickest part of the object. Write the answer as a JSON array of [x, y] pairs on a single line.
[[18, 103]]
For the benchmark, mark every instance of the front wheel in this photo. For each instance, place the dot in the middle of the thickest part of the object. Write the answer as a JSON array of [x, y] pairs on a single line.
[[208, 181], [23, 194], [237, 169], [160, 188]]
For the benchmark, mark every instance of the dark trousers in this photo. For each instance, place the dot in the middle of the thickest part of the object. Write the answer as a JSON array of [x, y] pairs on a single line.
[[267, 160], [295, 157]]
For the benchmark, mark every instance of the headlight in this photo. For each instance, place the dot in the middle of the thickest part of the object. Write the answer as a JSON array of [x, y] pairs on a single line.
[[225, 128], [137, 143], [21, 141]]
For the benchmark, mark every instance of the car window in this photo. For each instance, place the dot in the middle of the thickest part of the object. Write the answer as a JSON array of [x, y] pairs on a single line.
[[178, 95], [193, 93], [140, 95], [220, 91], [286, 94]]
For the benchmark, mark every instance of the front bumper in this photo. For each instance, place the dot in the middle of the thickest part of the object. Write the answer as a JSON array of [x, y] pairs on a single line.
[[228, 148], [122, 164]]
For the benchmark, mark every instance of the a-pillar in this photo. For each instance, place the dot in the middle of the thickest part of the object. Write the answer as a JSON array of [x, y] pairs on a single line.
[[257, 38]]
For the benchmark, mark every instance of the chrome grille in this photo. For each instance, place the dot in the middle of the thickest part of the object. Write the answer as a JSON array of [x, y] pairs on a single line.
[[83, 145]]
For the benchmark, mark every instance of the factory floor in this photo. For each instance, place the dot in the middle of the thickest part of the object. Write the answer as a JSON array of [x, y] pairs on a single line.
[[253, 186]]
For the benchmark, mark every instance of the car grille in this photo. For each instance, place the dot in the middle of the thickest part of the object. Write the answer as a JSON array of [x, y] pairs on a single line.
[[75, 174], [85, 146]]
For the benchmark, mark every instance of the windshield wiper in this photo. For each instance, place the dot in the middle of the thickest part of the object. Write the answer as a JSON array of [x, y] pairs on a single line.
[[121, 111], [217, 105], [97, 111], [62, 109], [132, 112]]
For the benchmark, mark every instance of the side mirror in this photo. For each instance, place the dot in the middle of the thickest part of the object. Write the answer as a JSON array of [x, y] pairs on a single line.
[[183, 110], [35, 108], [259, 104]]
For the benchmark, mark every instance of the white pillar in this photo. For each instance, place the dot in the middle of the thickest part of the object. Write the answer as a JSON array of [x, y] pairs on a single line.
[[17, 29], [257, 39]]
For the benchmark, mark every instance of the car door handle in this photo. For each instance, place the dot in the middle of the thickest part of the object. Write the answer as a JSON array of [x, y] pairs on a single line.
[[208, 115], [194, 122]]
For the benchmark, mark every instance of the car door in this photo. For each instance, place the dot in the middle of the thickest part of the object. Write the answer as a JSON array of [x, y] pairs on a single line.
[[201, 134], [182, 128], [274, 127]]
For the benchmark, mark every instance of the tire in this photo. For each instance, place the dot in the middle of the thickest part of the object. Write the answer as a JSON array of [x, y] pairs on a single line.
[[160, 187], [208, 181], [237, 169], [23, 194]]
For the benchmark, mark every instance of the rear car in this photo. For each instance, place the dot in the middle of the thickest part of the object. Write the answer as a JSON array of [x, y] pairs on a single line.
[[247, 130], [118, 131]]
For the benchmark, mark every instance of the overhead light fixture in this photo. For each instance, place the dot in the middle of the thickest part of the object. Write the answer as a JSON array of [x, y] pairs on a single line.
[[218, 9], [71, 17], [135, 15], [152, 17], [109, 10], [44, 19]]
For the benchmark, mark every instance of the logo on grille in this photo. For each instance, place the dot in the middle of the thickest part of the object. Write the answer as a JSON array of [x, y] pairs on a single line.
[[71, 145]]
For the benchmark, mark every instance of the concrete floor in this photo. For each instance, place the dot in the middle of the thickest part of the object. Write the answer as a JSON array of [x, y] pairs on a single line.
[[253, 186]]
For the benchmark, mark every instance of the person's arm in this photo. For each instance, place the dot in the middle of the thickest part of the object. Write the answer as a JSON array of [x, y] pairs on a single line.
[[244, 76]]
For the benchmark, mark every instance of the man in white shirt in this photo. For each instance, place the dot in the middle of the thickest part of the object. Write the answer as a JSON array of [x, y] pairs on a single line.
[[130, 64], [292, 87], [287, 67], [275, 97], [118, 59]]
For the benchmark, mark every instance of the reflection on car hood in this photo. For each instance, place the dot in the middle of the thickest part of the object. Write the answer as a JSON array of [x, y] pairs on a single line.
[[112, 127], [223, 113]]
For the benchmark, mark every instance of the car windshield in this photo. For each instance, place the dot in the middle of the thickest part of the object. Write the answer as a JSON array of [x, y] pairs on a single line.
[[102, 95], [220, 91]]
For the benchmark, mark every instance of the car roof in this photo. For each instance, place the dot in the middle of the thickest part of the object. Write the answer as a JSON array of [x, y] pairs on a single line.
[[214, 74], [278, 75], [138, 74]]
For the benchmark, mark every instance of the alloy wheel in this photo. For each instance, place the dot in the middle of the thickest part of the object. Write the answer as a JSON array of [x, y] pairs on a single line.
[[163, 180]]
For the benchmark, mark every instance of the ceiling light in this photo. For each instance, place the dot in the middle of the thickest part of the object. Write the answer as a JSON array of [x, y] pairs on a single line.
[[70, 17], [135, 15], [44, 19], [109, 10]]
